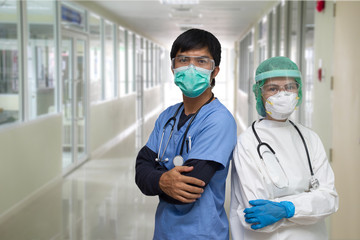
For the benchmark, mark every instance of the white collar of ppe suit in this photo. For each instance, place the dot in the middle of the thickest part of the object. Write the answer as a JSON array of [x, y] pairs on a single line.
[[265, 123]]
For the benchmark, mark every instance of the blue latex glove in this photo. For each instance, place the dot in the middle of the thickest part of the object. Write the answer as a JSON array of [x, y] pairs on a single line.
[[265, 212]]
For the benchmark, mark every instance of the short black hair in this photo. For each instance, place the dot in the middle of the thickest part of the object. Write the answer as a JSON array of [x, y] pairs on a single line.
[[197, 39]]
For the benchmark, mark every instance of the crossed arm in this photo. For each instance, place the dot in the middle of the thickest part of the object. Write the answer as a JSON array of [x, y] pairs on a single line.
[[179, 185]]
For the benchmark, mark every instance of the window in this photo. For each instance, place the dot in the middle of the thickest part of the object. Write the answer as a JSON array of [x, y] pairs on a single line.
[[294, 31], [96, 85], [9, 64], [138, 63], [41, 75], [274, 32], [109, 60], [263, 31], [282, 31], [152, 64], [246, 62], [157, 64], [160, 64], [130, 62], [145, 47], [122, 62], [308, 64]]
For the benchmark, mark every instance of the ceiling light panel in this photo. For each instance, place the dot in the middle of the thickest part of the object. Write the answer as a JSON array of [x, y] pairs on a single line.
[[179, 2]]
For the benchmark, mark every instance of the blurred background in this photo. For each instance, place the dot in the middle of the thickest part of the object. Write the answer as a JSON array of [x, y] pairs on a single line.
[[82, 83]]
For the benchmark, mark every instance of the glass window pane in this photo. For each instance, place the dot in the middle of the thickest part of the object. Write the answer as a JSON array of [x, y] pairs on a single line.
[[282, 18], [274, 33], [137, 63], [109, 60], [294, 35], [122, 65], [246, 56], [95, 58], [263, 31], [271, 34], [130, 61], [146, 65], [160, 61], [9, 63], [157, 65], [41, 75], [151, 66], [308, 66]]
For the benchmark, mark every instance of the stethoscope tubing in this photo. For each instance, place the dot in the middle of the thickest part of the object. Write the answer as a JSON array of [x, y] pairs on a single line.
[[173, 118], [261, 143], [305, 146]]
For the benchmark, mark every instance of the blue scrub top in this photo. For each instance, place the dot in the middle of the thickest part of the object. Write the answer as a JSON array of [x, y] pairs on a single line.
[[213, 137]]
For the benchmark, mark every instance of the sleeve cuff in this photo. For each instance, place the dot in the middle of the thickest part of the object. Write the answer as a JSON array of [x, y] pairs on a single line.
[[154, 179], [289, 207]]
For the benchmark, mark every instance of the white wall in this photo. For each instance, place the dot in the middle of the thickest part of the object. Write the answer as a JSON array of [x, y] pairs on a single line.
[[31, 159], [322, 93], [9, 101], [346, 120], [153, 105], [109, 118]]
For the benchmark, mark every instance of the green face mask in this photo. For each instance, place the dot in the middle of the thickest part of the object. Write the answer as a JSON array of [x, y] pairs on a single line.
[[192, 81]]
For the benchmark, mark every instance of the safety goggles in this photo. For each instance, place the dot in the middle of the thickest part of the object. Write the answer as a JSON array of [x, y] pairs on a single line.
[[202, 62], [272, 89]]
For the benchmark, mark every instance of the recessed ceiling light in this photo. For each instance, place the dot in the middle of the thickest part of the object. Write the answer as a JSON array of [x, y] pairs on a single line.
[[186, 15], [179, 2], [190, 25]]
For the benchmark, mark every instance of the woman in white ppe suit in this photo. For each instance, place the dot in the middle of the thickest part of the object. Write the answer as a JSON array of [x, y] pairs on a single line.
[[282, 185]]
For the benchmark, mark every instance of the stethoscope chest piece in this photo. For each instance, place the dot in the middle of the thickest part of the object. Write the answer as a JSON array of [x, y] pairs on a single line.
[[314, 182], [178, 160]]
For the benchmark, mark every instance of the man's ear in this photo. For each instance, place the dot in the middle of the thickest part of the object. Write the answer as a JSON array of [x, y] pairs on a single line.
[[215, 72]]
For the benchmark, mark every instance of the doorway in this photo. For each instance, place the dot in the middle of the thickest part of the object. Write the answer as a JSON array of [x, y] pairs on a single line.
[[74, 99]]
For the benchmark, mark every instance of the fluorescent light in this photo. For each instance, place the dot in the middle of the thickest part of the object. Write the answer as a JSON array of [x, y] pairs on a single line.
[[179, 2], [189, 25]]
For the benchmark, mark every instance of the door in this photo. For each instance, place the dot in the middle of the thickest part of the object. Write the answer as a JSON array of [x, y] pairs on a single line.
[[74, 99]]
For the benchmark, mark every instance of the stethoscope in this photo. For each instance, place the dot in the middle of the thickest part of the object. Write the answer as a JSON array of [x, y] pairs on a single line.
[[314, 182], [178, 159]]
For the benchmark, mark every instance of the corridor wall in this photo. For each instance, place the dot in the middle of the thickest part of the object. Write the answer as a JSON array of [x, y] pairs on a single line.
[[346, 120]]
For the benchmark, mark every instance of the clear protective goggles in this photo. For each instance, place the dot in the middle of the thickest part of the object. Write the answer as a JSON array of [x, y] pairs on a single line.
[[201, 62], [271, 89]]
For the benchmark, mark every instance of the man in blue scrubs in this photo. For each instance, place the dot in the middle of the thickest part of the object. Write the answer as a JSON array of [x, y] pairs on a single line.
[[186, 159]]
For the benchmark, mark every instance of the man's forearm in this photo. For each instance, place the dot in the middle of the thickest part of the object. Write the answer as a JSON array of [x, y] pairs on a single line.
[[203, 170], [148, 172]]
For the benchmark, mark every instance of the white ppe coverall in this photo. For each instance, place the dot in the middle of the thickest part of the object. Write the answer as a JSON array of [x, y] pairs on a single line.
[[250, 181]]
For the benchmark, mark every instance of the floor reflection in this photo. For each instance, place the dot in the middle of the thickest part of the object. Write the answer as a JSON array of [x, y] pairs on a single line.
[[100, 200]]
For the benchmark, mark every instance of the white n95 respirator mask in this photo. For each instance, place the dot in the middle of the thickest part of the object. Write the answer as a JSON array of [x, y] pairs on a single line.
[[281, 105]]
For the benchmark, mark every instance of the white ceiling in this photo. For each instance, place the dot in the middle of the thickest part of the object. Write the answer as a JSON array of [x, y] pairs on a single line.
[[227, 20]]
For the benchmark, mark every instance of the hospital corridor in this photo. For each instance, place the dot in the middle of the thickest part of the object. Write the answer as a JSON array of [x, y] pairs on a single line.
[[83, 83], [97, 201]]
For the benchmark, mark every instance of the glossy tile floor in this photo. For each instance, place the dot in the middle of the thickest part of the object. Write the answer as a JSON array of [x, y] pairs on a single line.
[[99, 201]]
